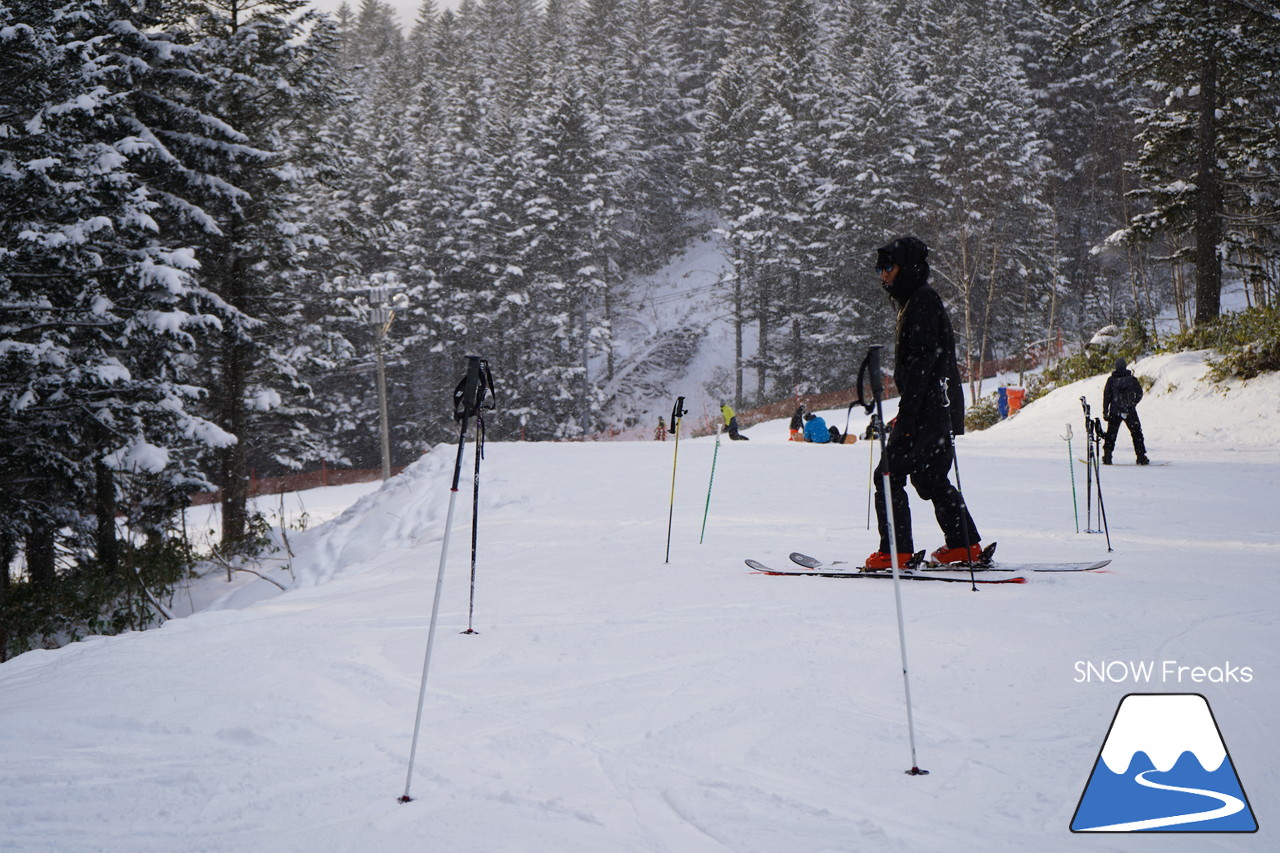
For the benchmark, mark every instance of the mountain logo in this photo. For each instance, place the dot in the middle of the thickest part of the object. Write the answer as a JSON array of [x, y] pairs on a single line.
[[1164, 767]]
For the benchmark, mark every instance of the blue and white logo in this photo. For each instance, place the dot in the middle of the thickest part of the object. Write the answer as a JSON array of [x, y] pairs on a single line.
[[1164, 767]]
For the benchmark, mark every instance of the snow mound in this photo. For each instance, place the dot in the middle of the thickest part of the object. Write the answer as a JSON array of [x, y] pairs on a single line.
[[1182, 408], [408, 511]]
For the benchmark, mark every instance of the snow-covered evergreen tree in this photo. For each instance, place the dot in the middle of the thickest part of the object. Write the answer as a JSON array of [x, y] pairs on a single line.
[[271, 77], [1208, 133], [101, 307]]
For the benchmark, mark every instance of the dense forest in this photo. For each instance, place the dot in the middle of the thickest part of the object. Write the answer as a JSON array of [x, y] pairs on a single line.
[[208, 209]]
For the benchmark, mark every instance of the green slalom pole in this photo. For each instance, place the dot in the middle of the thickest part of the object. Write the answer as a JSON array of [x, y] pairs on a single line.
[[1071, 463], [710, 483]]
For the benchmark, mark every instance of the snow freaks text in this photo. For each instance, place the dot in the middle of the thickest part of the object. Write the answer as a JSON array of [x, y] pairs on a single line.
[[1161, 672]]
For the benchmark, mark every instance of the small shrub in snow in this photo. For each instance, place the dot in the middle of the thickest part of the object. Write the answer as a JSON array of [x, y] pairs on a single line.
[[1249, 342]]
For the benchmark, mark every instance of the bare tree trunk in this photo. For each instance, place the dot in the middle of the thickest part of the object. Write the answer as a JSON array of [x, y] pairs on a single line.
[[104, 507], [965, 288], [8, 550], [1053, 289], [41, 554], [1179, 288], [738, 367], [1209, 201], [610, 366], [234, 478], [762, 329], [986, 317]]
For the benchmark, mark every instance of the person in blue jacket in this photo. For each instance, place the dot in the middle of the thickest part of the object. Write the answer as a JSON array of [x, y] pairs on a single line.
[[815, 429]]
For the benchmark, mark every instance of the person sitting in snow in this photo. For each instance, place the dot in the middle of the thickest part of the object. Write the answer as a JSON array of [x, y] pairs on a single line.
[[1120, 398], [815, 429], [731, 422]]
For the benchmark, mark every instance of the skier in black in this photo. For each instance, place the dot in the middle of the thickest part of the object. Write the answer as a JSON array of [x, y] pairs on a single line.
[[929, 411], [1120, 400]]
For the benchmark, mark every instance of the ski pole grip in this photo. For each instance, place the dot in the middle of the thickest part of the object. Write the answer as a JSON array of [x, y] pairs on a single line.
[[677, 411], [873, 366], [466, 397]]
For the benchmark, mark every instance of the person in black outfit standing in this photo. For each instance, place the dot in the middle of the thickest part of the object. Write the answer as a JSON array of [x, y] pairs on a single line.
[[929, 412], [1120, 398]]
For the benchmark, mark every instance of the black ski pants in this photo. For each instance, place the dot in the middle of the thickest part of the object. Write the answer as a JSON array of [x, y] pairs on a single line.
[[1129, 419], [928, 468]]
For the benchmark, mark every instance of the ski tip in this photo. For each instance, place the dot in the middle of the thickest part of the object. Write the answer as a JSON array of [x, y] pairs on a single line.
[[1014, 580], [804, 560]]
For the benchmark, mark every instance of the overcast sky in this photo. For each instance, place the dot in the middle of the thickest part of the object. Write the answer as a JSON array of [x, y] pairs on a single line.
[[407, 10]]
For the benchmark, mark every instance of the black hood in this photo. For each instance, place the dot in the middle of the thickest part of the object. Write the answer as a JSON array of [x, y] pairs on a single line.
[[910, 254]]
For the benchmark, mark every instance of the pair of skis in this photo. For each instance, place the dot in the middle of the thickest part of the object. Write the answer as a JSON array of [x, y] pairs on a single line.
[[917, 569]]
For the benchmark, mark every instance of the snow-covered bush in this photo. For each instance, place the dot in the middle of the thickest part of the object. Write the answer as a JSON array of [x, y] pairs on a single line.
[[1248, 340]]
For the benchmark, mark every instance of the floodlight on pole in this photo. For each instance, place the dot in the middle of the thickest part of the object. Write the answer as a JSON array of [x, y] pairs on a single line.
[[385, 299]]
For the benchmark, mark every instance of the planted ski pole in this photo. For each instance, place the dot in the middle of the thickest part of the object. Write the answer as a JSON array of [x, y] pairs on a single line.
[[710, 483], [678, 411], [871, 365], [468, 398], [955, 461], [1071, 463], [1102, 509], [1089, 463], [871, 453], [486, 391]]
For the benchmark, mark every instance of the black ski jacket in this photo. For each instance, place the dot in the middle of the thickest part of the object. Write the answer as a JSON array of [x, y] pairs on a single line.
[[1121, 395], [925, 355]]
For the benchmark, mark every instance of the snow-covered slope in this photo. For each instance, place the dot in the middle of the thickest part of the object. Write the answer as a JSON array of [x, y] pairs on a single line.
[[613, 701]]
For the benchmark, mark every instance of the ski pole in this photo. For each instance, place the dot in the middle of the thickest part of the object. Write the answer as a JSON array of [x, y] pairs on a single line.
[[678, 411], [1102, 509], [710, 483], [872, 364], [486, 389], [475, 519], [1071, 464], [844, 436], [871, 451], [467, 400], [955, 460], [1089, 463]]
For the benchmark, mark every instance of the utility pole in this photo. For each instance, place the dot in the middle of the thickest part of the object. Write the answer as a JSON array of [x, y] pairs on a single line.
[[384, 301]]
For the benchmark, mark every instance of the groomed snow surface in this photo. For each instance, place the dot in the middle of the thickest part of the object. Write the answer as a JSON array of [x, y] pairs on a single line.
[[612, 701]]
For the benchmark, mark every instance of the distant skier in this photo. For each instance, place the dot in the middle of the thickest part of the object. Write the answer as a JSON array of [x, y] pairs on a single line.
[[919, 442], [731, 422], [815, 429], [1120, 400], [660, 433]]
